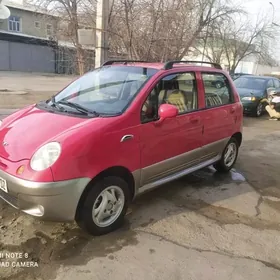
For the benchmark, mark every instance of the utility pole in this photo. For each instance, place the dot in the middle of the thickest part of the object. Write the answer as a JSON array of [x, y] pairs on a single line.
[[101, 49], [272, 22], [273, 11]]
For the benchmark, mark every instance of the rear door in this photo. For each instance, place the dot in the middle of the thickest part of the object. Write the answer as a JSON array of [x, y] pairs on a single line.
[[220, 114]]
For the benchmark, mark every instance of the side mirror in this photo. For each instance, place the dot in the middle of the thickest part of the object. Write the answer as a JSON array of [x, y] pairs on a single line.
[[167, 111]]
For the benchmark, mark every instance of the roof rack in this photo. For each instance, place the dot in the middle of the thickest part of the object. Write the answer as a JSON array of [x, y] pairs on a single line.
[[169, 64], [124, 61]]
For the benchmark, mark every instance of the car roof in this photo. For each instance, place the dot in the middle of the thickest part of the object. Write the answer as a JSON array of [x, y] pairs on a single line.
[[155, 65], [160, 66], [168, 65], [241, 74], [257, 77]]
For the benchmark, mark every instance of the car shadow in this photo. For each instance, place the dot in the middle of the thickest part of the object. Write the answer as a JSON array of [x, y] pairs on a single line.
[[200, 191]]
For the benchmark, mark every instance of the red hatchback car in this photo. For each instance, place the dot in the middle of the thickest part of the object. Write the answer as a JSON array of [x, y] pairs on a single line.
[[114, 133]]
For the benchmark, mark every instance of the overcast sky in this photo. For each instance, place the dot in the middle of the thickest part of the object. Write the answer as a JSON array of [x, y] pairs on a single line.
[[254, 7]]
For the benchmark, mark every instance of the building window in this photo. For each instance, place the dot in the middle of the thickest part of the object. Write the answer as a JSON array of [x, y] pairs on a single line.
[[14, 24], [37, 24], [49, 29]]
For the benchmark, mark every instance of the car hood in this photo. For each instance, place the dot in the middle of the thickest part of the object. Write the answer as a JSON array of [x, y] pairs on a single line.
[[243, 92], [23, 132]]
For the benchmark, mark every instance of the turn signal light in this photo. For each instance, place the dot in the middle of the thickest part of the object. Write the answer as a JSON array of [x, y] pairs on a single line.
[[20, 170]]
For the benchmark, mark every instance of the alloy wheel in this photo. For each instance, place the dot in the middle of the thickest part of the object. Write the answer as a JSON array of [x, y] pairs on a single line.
[[230, 154], [259, 109], [108, 206]]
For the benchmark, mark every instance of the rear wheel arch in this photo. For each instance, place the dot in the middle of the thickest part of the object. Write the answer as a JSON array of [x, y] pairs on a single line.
[[229, 155], [238, 137], [114, 171]]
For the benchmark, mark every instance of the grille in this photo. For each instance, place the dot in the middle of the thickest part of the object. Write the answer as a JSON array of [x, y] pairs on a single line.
[[9, 198]]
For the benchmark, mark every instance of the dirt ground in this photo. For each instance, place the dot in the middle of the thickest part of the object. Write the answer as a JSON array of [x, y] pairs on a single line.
[[21, 89], [203, 226]]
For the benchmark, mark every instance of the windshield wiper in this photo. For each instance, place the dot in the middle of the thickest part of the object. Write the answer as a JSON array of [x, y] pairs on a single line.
[[54, 104], [78, 108]]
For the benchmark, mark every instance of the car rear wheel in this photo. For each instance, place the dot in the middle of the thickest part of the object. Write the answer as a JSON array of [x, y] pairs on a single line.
[[229, 156], [104, 207], [259, 110]]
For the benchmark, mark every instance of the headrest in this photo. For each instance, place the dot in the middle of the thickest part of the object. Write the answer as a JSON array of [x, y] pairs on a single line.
[[170, 84]]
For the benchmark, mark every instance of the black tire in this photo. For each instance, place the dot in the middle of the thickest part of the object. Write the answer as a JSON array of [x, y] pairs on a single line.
[[259, 110], [84, 216], [221, 166]]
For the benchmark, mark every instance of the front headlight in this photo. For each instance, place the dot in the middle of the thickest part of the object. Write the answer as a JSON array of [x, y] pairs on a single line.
[[251, 98], [45, 156]]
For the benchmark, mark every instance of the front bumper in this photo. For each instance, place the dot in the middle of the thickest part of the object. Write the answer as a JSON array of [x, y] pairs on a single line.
[[54, 201], [249, 107]]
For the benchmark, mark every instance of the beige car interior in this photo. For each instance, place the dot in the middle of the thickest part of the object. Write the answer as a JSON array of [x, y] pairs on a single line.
[[213, 100], [213, 96], [180, 92]]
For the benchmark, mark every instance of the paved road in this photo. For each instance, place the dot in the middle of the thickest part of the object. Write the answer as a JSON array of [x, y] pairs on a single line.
[[20, 89], [5, 112], [203, 226]]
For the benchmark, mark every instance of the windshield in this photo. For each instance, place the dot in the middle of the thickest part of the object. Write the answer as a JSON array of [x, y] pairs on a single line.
[[250, 83], [107, 90]]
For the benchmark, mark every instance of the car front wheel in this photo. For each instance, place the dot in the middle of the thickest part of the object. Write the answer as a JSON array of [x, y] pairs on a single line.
[[229, 156], [104, 207], [259, 110]]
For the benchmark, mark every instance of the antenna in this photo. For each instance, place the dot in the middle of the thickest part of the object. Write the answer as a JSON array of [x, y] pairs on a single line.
[[4, 11]]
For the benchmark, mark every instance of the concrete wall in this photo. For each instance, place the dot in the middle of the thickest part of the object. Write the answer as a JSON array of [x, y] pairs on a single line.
[[26, 57], [255, 68], [249, 67], [28, 20]]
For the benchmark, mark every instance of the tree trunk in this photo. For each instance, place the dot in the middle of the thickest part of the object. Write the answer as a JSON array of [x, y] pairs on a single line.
[[79, 49], [80, 60]]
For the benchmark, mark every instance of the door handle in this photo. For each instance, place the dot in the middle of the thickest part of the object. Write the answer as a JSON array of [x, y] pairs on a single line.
[[232, 110], [194, 120], [126, 137]]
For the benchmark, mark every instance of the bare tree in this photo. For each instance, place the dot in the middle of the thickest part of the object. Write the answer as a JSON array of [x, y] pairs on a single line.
[[246, 40], [210, 46], [154, 30], [73, 14], [235, 40], [162, 29]]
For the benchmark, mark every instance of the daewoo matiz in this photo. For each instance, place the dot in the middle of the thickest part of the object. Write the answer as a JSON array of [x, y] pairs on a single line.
[[114, 133]]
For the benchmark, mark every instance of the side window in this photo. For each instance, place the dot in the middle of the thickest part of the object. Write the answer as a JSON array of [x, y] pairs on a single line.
[[217, 90], [270, 84], [276, 83], [179, 90]]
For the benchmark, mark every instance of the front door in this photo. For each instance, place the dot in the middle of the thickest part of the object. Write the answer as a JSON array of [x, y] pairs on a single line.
[[175, 144]]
